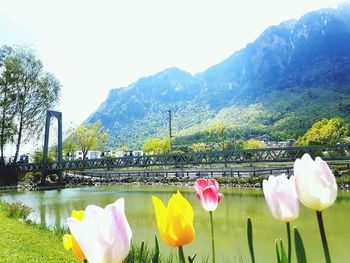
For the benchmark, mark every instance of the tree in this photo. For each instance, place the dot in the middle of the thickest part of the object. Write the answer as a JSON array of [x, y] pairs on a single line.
[[27, 91], [157, 146], [218, 133], [37, 91], [10, 68], [252, 144], [89, 136], [199, 147], [69, 146], [38, 156], [324, 131]]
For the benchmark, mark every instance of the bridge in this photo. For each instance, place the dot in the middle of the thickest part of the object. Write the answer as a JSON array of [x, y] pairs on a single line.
[[287, 154]]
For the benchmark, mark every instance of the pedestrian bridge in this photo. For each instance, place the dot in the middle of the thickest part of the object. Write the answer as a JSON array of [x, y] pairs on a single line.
[[286, 154]]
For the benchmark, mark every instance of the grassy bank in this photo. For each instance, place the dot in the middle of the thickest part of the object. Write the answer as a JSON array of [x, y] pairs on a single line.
[[25, 241], [21, 242]]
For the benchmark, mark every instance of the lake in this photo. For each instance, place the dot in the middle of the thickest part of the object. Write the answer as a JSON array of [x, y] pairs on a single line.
[[54, 206]]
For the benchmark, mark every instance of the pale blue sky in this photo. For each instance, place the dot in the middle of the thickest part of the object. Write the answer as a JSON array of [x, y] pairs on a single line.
[[94, 46]]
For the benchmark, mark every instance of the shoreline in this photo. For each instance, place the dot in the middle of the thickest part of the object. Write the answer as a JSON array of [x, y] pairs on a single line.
[[227, 182]]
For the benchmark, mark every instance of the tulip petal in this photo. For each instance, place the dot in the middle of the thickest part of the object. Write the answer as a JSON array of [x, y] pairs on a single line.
[[200, 184], [214, 183], [120, 232], [220, 196], [67, 241], [91, 233], [161, 216], [180, 216], [78, 214], [209, 198]]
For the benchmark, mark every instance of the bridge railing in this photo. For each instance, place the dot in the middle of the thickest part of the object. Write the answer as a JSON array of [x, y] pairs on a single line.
[[285, 154]]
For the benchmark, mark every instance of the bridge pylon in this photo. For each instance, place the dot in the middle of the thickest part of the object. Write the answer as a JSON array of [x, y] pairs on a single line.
[[58, 116]]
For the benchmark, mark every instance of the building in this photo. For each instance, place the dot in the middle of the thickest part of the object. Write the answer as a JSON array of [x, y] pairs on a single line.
[[90, 155]]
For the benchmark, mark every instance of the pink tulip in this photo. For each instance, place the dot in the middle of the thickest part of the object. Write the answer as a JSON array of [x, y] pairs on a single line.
[[281, 197], [104, 235], [208, 193]]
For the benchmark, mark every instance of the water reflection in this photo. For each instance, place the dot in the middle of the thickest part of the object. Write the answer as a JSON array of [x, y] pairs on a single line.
[[53, 207]]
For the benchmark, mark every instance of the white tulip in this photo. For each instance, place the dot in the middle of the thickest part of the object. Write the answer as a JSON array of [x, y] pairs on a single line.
[[315, 183], [281, 197], [103, 235]]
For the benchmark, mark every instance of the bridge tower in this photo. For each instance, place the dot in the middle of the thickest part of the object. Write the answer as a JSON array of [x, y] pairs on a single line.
[[58, 115]]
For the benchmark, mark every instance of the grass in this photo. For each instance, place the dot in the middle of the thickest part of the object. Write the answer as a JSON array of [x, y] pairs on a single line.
[[18, 210], [21, 242]]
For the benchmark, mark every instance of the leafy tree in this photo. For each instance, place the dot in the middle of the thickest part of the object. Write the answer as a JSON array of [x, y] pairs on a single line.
[[324, 131], [37, 92], [157, 146], [218, 133], [27, 91], [7, 100], [199, 147], [252, 144], [89, 136], [69, 146], [38, 156]]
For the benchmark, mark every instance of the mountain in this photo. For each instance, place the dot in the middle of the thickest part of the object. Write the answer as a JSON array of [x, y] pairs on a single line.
[[293, 74]]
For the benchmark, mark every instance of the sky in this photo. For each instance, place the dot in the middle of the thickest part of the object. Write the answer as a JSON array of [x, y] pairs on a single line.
[[94, 46]]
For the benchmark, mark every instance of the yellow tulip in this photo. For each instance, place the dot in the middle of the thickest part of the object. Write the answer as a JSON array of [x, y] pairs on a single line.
[[69, 241], [175, 222]]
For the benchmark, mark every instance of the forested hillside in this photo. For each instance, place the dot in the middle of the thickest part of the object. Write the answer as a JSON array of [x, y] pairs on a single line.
[[292, 75]]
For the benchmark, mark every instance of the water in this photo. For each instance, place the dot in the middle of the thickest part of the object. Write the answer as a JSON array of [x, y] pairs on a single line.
[[54, 206]]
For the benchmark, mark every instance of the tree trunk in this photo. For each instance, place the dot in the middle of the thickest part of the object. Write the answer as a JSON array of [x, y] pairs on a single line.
[[18, 144], [2, 139], [2, 132]]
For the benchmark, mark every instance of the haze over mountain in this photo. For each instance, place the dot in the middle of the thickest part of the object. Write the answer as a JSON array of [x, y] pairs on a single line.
[[291, 75]]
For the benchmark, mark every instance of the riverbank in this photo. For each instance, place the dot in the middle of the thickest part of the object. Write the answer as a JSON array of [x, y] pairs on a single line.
[[21, 242], [80, 180]]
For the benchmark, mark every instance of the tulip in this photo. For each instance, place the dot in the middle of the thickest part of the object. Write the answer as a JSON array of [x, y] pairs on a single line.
[[282, 200], [69, 241], [208, 193], [317, 189], [175, 222], [209, 197], [104, 235], [315, 183], [281, 197]]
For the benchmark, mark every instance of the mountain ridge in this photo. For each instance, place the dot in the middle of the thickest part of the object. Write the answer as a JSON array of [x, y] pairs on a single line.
[[303, 60]]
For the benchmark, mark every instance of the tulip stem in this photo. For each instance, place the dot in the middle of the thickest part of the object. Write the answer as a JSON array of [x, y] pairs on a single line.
[[289, 243], [323, 236], [181, 255], [212, 236], [85, 261]]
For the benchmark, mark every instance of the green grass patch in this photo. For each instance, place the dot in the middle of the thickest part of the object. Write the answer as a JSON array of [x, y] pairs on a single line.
[[21, 242]]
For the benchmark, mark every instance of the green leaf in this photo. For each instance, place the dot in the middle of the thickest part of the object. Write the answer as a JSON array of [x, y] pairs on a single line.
[[284, 258], [141, 251], [281, 253], [277, 252], [250, 239], [155, 258], [191, 259], [299, 247]]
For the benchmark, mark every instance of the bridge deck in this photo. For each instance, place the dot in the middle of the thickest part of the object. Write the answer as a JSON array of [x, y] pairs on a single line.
[[286, 154]]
